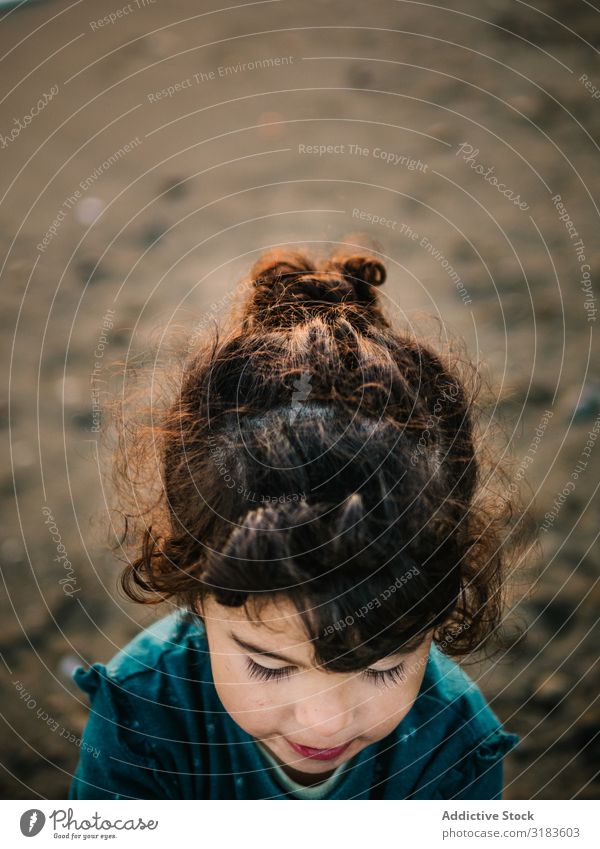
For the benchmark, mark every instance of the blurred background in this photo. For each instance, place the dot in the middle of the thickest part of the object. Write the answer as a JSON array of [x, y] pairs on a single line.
[[149, 152]]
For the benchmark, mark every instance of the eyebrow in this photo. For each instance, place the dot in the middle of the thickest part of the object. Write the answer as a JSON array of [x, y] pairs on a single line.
[[276, 656], [263, 652]]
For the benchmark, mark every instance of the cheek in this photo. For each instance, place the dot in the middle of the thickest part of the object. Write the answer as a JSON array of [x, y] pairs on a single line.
[[251, 711], [248, 703], [245, 704], [388, 709]]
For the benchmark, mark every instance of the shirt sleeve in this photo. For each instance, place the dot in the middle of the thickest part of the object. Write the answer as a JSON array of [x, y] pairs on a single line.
[[480, 773], [115, 762]]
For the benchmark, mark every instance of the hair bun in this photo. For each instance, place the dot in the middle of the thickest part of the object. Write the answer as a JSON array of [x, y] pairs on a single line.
[[288, 287], [280, 266], [363, 271]]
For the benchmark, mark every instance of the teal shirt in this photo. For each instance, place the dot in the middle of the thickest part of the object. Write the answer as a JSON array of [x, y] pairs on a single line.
[[158, 730]]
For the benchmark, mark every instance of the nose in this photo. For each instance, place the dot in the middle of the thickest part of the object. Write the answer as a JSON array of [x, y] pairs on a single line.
[[324, 714]]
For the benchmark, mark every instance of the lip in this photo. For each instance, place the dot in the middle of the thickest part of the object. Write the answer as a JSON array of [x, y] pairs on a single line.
[[318, 754]]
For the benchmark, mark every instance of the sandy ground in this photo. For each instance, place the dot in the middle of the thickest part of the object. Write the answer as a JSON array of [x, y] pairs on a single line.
[[117, 197]]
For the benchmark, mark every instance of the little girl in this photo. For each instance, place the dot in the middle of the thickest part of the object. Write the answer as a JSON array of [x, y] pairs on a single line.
[[326, 541]]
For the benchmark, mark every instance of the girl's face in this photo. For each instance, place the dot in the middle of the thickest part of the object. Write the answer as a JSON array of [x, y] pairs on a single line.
[[309, 719]]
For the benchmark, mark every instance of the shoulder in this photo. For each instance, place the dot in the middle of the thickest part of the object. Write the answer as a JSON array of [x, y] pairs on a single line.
[[448, 689], [454, 739], [172, 647], [451, 704], [132, 739], [169, 640]]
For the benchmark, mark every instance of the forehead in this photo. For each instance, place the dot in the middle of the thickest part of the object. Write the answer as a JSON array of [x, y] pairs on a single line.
[[272, 618], [274, 624]]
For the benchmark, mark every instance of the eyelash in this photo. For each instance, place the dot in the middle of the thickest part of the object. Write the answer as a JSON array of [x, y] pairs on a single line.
[[388, 676], [263, 673]]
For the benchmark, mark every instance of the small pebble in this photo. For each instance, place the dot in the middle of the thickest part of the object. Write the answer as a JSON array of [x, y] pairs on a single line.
[[588, 406], [88, 209], [12, 551], [359, 76], [22, 454], [151, 235], [89, 272], [550, 690], [70, 390], [84, 420], [174, 188], [67, 665]]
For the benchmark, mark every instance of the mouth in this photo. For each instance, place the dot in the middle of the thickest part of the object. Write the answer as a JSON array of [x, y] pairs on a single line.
[[319, 754]]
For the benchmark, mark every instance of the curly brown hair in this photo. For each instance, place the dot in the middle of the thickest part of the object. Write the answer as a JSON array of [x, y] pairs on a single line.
[[314, 452]]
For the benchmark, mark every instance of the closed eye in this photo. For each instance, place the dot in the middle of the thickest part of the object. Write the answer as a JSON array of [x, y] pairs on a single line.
[[387, 676], [262, 673]]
